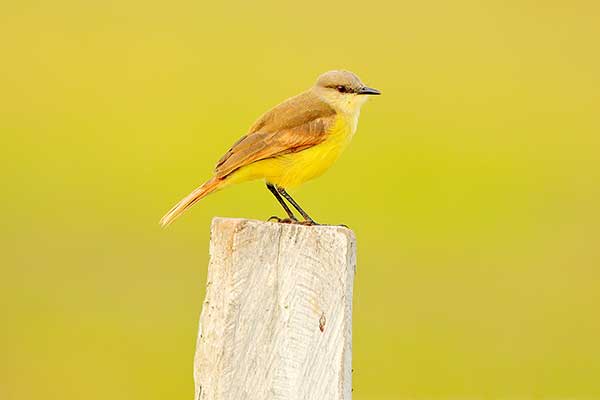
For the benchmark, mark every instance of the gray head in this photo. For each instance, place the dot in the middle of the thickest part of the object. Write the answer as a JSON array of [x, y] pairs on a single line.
[[343, 91], [344, 82]]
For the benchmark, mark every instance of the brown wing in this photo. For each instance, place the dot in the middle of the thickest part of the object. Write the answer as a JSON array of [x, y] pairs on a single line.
[[294, 125]]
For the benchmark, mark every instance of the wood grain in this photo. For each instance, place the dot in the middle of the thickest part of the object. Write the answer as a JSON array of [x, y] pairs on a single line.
[[277, 319]]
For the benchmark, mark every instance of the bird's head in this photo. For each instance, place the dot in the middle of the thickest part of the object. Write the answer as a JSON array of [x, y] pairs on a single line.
[[343, 91]]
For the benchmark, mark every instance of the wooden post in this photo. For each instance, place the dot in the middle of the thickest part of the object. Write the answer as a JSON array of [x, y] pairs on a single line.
[[276, 323]]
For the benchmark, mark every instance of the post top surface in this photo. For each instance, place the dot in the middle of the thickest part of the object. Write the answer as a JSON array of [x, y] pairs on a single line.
[[220, 221]]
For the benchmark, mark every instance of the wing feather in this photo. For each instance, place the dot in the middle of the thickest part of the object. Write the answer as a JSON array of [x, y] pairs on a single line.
[[295, 125]]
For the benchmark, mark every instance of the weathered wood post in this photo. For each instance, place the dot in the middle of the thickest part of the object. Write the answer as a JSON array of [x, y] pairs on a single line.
[[276, 323]]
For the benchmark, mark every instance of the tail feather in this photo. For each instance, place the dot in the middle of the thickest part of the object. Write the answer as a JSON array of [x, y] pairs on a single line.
[[189, 200]]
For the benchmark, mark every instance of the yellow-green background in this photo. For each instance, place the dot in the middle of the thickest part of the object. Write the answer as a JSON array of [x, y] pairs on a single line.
[[473, 185]]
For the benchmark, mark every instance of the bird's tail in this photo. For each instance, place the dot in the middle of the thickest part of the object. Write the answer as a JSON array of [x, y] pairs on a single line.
[[207, 187]]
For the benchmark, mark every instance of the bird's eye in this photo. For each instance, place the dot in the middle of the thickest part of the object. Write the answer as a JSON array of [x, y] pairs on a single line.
[[342, 89]]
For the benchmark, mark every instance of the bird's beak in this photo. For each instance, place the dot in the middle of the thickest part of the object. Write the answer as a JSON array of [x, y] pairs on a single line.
[[368, 90]]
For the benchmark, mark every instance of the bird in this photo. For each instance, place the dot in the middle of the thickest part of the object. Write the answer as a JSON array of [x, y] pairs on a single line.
[[293, 142]]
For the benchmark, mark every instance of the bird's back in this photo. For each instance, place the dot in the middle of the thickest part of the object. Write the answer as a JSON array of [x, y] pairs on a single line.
[[292, 112]]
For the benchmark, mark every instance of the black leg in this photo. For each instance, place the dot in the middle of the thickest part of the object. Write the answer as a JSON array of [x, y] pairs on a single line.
[[296, 206], [289, 212]]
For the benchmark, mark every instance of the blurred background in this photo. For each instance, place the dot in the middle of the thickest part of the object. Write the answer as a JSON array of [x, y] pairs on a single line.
[[473, 186]]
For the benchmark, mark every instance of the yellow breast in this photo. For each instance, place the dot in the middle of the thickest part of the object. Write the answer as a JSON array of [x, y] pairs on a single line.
[[293, 169], [297, 168]]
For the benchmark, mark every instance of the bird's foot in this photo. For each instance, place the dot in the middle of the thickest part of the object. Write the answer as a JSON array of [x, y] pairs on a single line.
[[275, 218], [293, 221], [307, 222]]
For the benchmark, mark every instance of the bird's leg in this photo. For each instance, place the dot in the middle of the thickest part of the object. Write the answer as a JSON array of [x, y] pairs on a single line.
[[291, 216], [307, 219]]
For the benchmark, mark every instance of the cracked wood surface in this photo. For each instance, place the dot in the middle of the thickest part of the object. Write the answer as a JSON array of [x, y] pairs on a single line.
[[277, 319]]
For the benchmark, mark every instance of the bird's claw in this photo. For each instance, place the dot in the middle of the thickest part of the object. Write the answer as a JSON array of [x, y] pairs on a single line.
[[307, 223], [293, 221], [282, 220]]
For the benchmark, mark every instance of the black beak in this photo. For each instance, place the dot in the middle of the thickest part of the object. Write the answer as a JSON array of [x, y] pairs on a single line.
[[368, 90]]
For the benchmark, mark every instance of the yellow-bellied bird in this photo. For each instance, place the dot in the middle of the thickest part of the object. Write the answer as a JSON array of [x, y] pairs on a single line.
[[296, 141]]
